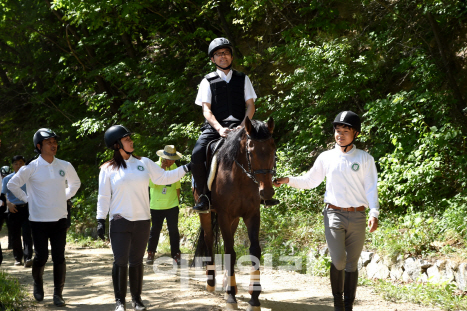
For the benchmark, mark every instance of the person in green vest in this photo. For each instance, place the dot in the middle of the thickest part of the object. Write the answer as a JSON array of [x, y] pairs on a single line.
[[164, 205]]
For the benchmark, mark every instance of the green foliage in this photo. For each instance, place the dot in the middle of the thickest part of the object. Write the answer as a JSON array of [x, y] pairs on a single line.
[[81, 66], [85, 240], [444, 296], [319, 266], [423, 233], [13, 296]]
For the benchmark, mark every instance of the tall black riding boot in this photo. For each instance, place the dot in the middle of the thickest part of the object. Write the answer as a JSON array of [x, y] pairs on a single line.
[[350, 289], [337, 286], [119, 278], [204, 202], [136, 286], [59, 282], [37, 273]]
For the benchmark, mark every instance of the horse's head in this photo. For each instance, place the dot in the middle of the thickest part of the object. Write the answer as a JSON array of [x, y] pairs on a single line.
[[261, 153]]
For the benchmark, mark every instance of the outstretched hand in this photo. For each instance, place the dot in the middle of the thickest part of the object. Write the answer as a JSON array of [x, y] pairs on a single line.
[[279, 181]]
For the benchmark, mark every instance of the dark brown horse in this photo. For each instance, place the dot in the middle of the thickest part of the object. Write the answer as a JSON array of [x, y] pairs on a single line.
[[246, 166]]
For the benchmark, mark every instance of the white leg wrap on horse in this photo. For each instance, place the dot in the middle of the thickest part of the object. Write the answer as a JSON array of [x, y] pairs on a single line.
[[254, 276], [231, 281]]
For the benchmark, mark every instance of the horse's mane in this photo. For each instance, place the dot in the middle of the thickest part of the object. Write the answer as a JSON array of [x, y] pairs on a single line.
[[228, 152]]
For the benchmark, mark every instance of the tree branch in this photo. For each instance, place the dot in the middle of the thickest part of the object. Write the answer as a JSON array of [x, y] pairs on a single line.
[[71, 49], [444, 58], [226, 29]]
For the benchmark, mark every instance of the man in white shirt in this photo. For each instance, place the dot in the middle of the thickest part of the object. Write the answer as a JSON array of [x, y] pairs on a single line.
[[50, 182], [351, 187], [226, 97]]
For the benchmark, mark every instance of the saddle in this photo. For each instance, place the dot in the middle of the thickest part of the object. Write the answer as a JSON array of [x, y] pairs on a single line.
[[211, 159]]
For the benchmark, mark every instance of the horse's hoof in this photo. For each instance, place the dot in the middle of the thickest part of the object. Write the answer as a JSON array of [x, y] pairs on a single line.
[[231, 306], [210, 288], [251, 308]]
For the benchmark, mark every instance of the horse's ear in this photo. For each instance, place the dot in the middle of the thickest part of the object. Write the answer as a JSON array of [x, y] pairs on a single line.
[[271, 125], [248, 125]]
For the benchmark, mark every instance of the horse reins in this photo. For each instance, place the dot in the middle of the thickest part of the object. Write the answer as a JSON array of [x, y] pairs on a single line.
[[250, 173]]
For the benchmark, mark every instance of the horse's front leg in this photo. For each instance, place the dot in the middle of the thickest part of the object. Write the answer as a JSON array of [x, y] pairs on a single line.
[[230, 259], [209, 240], [253, 224]]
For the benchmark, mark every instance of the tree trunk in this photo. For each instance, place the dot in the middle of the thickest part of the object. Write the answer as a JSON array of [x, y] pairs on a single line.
[[225, 27], [447, 69]]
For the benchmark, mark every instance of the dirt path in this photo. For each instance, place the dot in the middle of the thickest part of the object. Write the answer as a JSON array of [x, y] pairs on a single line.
[[89, 287]]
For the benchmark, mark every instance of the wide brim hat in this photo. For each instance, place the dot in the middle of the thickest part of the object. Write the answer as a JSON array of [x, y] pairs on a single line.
[[170, 153]]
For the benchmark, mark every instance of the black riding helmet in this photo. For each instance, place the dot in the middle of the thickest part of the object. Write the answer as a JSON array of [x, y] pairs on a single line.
[[219, 43], [348, 118], [5, 170], [113, 135], [41, 135], [351, 119]]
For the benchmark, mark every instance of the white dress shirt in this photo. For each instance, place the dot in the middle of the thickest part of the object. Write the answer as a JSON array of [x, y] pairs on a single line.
[[351, 179], [125, 191], [49, 186], [205, 96]]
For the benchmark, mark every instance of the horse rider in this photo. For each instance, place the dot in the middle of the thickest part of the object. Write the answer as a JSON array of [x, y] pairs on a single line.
[[351, 188], [227, 97]]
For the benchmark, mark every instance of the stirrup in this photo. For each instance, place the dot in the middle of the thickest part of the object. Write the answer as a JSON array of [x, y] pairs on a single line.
[[209, 205]]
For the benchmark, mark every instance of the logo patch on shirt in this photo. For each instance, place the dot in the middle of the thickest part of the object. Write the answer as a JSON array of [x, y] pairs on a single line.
[[140, 168], [355, 166], [62, 173]]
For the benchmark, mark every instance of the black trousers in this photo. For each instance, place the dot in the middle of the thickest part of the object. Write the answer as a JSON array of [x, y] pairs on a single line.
[[198, 158], [42, 232], [19, 222], [129, 240], [157, 217]]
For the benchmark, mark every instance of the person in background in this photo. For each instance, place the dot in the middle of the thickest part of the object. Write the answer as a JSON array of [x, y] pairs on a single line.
[[123, 194], [351, 188], [18, 217], [5, 171], [3, 211], [50, 182], [164, 205]]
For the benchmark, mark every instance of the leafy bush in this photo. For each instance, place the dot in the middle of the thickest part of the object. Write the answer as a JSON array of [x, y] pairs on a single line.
[[13, 296], [444, 296]]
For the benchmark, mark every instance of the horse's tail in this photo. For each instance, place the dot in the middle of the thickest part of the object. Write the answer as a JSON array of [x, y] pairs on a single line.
[[200, 246]]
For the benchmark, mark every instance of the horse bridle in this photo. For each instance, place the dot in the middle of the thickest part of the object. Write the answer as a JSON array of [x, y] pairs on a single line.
[[250, 173]]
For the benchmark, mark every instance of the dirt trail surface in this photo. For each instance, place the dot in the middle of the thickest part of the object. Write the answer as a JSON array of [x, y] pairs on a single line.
[[89, 287]]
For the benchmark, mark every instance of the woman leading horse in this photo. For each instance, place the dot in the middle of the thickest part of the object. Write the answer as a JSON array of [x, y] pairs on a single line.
[[246, 167]]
